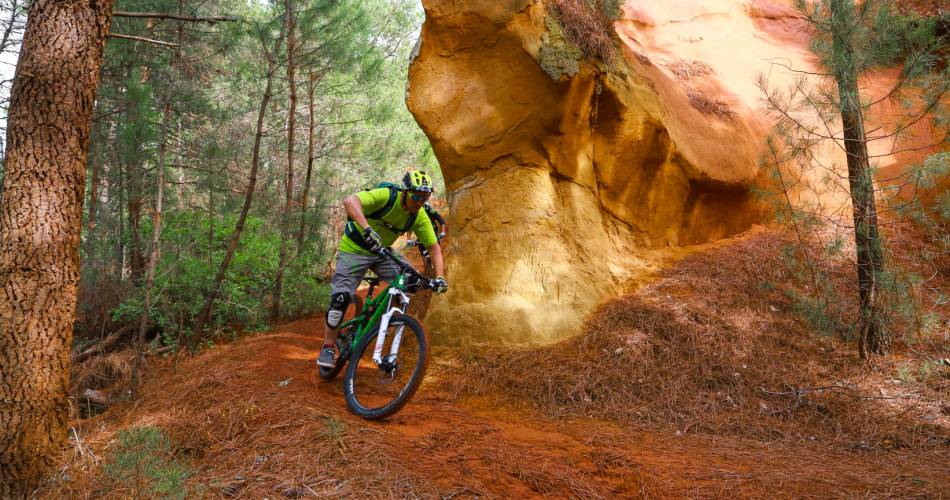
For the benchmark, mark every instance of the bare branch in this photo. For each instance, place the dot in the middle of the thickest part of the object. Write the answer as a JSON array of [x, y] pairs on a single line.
[[143, 39], [162, 15]]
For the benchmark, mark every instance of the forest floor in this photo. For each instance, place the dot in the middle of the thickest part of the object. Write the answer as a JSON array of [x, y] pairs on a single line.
[[250, 419]]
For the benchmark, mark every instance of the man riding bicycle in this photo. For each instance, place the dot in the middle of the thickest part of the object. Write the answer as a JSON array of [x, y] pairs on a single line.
[[377, 217], [440, 227]]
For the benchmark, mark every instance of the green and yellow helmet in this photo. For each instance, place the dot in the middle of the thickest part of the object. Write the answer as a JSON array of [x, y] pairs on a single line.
[[417, 180]]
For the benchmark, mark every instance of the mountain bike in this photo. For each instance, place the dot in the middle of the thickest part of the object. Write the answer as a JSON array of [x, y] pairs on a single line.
[[426, 258], [380, 380]]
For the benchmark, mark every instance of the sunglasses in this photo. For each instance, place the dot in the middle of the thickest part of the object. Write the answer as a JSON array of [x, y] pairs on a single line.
[[418, 196]]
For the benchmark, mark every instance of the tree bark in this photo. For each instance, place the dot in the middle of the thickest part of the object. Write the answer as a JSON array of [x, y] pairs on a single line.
[[40, 221], [874, 337], [205, 314], [289, 184]]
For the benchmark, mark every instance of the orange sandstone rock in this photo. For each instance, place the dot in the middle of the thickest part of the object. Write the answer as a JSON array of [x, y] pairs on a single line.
[[558, 187]]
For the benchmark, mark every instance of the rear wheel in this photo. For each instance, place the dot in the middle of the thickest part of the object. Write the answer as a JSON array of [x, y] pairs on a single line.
[[343, 352], [377, 391], [343, 343]]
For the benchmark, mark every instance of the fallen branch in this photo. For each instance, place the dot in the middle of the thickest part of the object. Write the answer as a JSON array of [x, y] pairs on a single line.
[[106, 343], [83, 449], [143, 39], [161, 350], [843, 390], [162, 15]]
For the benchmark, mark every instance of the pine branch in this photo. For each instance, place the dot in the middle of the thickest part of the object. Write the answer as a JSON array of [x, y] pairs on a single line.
[[161, 15], [143, 39]]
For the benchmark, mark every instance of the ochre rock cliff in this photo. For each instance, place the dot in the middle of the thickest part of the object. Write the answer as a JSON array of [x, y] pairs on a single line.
[[557, 187]]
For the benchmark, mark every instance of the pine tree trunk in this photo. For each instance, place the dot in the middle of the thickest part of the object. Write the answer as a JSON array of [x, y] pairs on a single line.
[[305, 195], [289, 185], [205, 315], [40, 222], [93, 207], [154, 254], [119, 262], [873, 337], [134, 187], [134, 205]]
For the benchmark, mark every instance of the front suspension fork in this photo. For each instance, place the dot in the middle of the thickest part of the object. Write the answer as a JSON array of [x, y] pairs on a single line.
[[383, 331]]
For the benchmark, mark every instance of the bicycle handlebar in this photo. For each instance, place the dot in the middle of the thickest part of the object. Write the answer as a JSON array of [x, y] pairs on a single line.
[[406, 268]]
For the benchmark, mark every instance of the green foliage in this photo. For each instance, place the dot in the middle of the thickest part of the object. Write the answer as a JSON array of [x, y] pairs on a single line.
[[558, 56], [850, 38], [811, 293], [212, 88], [611, 8], [917, 371], [579, 29], [143, 460], [189, 263], [304, 291], [943, 205]]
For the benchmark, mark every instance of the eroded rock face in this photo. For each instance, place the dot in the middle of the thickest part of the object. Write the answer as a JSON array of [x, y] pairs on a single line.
[[557, 188]]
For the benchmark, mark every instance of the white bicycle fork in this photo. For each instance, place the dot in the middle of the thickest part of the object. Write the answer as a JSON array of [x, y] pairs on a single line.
[[384, 327]]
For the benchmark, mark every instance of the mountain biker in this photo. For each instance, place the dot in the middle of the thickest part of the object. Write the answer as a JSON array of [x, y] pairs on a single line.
[[440, 227], [377, 217], [438, 223]]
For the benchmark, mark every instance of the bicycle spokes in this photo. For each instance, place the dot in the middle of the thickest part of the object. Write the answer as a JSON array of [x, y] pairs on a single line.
[[377, 384]]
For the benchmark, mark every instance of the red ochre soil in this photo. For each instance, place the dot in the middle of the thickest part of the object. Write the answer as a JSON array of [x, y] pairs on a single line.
[[248, 437], [251, 420]]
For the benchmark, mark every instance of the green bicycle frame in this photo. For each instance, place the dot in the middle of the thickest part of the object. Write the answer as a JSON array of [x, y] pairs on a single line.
[[375, 304]]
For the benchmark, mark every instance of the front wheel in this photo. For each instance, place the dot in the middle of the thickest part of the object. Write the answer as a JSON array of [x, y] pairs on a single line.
[[377, 391]]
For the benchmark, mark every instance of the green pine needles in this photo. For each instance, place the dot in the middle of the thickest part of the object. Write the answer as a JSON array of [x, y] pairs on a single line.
[[143, 461]]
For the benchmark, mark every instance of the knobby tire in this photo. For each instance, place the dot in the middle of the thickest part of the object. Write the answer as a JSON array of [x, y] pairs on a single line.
[[328, 374], [412, 327]]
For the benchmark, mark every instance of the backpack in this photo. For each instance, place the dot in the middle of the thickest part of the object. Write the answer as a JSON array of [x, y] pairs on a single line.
[[352, 230]]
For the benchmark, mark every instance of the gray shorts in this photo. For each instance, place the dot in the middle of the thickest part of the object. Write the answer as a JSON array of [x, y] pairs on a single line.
[[351, 267]]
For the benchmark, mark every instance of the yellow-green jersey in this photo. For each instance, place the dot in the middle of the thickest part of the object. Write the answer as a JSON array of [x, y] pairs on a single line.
[[389, 225]]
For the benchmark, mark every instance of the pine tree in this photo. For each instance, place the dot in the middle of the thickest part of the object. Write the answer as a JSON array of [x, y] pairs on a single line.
[[849, 39], [40, 221]]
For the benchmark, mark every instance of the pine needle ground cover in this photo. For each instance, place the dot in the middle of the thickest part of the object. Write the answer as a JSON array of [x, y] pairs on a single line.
[[715, 346], [702, 384]]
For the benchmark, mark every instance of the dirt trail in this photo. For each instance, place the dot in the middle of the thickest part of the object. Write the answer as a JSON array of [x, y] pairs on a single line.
[[254, 422]]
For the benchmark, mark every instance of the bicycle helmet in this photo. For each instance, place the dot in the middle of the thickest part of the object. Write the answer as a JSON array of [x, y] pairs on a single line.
[[417, 180]]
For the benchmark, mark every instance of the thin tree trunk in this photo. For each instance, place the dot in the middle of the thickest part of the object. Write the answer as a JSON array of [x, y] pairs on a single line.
[[134, 202], [93, 196], [154, 256], [92, 210], [40, 223], [873, 337], [305, 195], [9, 25], [204, 315], [134, 190], [289, 185], [120, 228]]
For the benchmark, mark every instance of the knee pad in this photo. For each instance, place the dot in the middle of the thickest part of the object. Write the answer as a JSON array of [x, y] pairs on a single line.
[[338, 303]]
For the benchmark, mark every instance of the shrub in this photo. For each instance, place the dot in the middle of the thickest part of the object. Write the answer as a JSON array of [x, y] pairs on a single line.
[[576, 29]]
